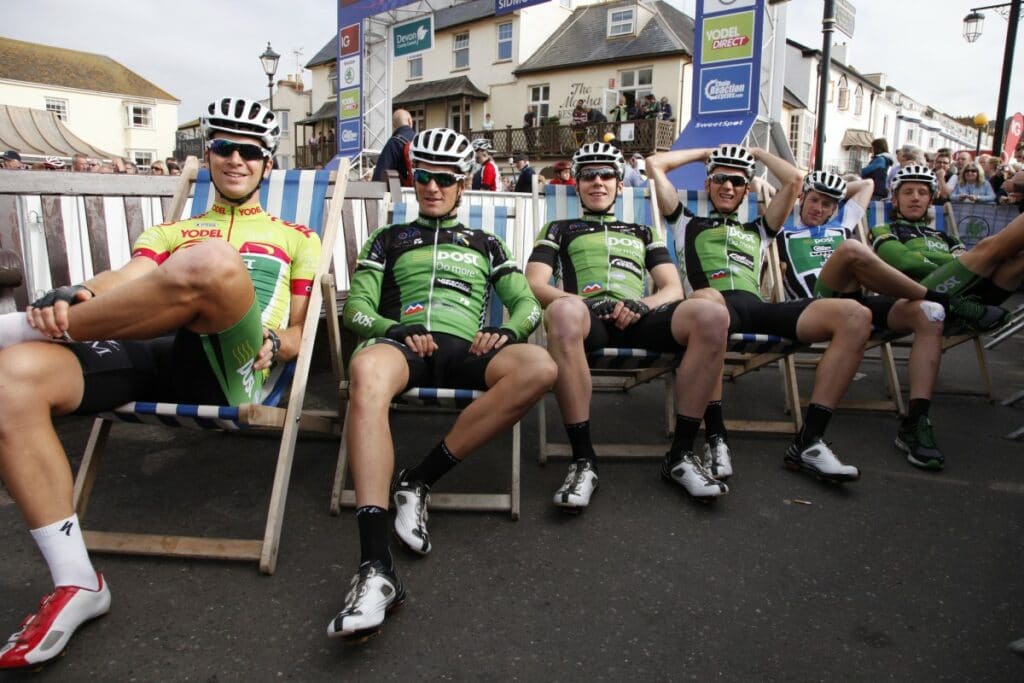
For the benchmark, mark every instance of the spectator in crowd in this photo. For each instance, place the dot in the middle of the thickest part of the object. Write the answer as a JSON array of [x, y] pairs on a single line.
[[620, 112], [524, 181], [961, 159], [173, 168], [157, 168], [312, 145], [579, 114], [52, 163], [11, 160], [1013, 191], [632, 177], [80, 163], [665, 109], [130, 168], [595, 115], [650, 107], [907, 154], [877, 169], [942, 166], [1018, 153], [972, 186], [529, 123], [486, 176], [488, 126], [563, 173], [392, 157], [332, 141]]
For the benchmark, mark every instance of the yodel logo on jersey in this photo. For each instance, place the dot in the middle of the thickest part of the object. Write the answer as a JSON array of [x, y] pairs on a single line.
[[742, 259], [457, 285], [249, 210], [413, 309], [193, 233], [626, 264], [591, 288]]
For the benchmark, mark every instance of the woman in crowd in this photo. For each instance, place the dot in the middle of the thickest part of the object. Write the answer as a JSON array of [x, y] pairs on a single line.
[[972, 186]]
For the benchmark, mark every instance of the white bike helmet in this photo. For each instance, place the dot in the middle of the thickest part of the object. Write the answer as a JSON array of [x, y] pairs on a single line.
[[444, 147], [483, 144], [732, 156], [598, 153], [55, 163], [914, 173], [242, 117], [829, 184]]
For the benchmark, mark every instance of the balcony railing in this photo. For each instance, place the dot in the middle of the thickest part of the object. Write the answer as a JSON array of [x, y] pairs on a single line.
[[308, 157]]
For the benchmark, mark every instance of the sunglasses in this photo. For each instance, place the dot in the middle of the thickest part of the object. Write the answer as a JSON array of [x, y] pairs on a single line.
[[248, 152], [723, 178], [442, 178], [595, 173]]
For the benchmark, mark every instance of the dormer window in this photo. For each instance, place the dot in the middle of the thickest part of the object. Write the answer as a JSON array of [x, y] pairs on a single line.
[[621, 22]]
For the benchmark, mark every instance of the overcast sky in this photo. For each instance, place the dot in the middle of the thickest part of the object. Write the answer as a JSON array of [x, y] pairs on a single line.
[[198, 49]]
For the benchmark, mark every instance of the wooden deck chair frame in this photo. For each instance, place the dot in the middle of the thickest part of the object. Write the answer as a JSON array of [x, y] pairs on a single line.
[[289, 420], [612, 369], [943, 219], [430, 397]]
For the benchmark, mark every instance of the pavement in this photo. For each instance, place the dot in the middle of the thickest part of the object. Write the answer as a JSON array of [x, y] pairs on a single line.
[[905, 575]]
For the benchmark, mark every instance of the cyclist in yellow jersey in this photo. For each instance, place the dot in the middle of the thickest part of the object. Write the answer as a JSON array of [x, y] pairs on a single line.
[[222, 295]]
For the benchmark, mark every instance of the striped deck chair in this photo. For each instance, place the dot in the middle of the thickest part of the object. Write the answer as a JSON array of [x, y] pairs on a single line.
[[500, 220], [747, 351], [612, 369], [296, 196], [942, 219]]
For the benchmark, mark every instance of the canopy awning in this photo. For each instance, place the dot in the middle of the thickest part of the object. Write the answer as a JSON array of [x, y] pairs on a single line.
[[39, 133], [328, 111], [444, 89], [855, 137]]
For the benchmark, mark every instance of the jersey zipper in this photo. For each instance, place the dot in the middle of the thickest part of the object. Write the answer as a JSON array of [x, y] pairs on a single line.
[[433, 273]]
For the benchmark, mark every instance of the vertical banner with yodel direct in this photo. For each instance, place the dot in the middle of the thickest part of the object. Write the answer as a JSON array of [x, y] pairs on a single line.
[[726, 80]]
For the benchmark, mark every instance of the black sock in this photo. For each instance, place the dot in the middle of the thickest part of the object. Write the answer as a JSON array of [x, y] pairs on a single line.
[[714, 423], [579, 440], [815, 423], [434, 466], [918, 408], [373, 534], [686, 432], [940, 298]]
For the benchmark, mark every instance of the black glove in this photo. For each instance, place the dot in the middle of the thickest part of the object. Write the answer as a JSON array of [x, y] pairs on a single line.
[[66, 294], [638, 307], [275, 344], [509, 335], [600, 307], [398, 333]]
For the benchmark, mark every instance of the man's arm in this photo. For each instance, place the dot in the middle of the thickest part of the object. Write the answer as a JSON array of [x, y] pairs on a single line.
[[790, 182], [523, 307], [889, 248], [658, 167], [668, 286], [859, 192], [539, 275]]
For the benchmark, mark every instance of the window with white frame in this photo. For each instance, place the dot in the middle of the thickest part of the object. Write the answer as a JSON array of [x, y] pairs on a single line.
[[540, 96], [621, 22], [565, 4], [460, 50], [458, 117], [910, 134], [140, 116], [505, 41], [416, 67], [142, 157], [332, 79], [794, 136], [844, 94], [58, 106], [635, 83], [282, 118], [858, 100], [419, 118]]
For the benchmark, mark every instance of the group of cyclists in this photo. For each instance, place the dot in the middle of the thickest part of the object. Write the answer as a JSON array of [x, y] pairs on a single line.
[[418, 298]]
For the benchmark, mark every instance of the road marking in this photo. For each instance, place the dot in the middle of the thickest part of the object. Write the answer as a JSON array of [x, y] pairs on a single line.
[[1008, 487], [1002, 487]]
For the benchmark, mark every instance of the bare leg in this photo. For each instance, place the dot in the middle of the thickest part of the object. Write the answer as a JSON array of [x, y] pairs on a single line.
[[517, 377], [377, 374], [703, 328], [854, 265], [714, 296], [568, 324], [205, 288], [846, 325], [1010, 273], [37, 380], [926, 352], [989, 253]]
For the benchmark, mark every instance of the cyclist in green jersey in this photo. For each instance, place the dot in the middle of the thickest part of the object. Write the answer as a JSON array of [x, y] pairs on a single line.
[[204, 296], [724, 255], [990, 272], [603, 264], [823, 259], [418, 297]]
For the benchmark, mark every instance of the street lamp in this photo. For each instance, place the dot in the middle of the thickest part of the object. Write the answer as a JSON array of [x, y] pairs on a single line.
[[980, 120], [973, 24], [269, 60]]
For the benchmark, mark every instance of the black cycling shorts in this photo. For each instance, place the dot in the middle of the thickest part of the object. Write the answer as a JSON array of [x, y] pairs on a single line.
[[878, 305], [748, 313], [452, 366], [652, 332], [171, 369]]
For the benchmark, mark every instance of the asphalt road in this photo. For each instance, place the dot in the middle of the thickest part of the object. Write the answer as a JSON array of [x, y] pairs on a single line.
[[905, 575]]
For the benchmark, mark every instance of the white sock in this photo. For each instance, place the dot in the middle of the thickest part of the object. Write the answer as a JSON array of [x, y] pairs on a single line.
[[64, 550], [14, 328]]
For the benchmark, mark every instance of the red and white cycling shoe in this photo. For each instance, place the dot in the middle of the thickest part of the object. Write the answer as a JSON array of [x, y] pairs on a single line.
[[44, 635]]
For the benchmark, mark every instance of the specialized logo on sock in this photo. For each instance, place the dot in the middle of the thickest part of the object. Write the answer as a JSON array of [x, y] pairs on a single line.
[[67, 527]]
